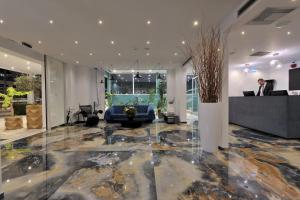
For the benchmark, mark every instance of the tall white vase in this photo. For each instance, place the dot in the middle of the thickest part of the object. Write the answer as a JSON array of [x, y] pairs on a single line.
[[210, 125]]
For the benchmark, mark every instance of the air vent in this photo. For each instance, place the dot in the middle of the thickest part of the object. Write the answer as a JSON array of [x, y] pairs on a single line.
[[260, 53], [245, 7], [270, 15]]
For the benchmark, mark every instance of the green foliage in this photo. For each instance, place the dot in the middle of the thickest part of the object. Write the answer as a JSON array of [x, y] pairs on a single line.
[[8, 97], [152, 95], [162, 103], [24, 83], [108, 97]]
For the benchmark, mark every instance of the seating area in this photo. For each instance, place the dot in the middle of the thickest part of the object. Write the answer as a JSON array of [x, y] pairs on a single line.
[[144, 113]]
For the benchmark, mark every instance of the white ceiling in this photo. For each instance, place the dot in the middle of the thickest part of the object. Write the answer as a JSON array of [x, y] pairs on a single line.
[[124, 21], [266, 37], [14, 62]]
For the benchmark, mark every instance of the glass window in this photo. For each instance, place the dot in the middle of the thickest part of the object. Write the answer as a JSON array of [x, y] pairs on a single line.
[[146, 84], [121, 83]]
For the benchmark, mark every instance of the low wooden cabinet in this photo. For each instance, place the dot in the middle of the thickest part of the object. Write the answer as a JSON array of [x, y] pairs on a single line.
[[34, 116], [13, 123]]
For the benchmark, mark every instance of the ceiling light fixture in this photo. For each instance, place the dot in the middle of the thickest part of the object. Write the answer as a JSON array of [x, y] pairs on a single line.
[[148, 54], [100, 22], [150, 70], [175, 54], [183, 42], [119, 54], [28, 63], [40, 42], [148, 42], [132, 71], [243, 33], [77, 62], [12, 68], [289, 33], [91, 54], [76, 42], [252, 50], [114, 71], [148, 22], [28, 67], [51, 21], [1, 21], [5, 55], [195, 23], [112, 42]]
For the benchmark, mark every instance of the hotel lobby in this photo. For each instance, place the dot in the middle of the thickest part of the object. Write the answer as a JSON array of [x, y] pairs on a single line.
[[154, 100]]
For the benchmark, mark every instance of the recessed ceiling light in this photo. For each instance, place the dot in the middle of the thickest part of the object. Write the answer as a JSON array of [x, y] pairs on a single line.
[[148, 22], [112, 42], [119, 54], [51, 21], [5, 55], [40, 42], [12, 68], [293, 0], [148, 42], [76, 42], [243, 33], [28, 63], [182, 42], [289, 33], [114, 71], [148, 54], [91, 54], [1, 21], [252, 50], [246, 70], [100, 22], [195, 23], [77, 62], [175, 54], [28, 67], [279, 66], [132, 71]]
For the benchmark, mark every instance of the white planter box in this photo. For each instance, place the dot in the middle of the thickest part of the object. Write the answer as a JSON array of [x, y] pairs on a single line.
[[210, 125]]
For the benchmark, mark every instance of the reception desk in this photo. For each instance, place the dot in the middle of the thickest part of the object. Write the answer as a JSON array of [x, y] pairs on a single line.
[[276, 115]]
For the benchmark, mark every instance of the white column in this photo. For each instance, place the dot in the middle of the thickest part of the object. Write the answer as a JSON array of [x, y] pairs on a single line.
[[171, 89], [101, 92], [225, 103]]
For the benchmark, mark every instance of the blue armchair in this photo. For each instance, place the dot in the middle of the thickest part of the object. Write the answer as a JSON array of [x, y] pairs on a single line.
[[144, 113]]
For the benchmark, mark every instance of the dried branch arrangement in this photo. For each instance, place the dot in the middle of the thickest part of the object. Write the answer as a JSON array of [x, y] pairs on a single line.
[[207, 55]]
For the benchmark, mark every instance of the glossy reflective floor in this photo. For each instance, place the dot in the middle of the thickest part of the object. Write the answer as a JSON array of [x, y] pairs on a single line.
[[156, 161]]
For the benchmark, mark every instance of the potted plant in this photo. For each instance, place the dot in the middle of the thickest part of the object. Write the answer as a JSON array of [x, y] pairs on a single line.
[[34, 114], [130, 111], [12, 122], [162, 102], [207, 55]]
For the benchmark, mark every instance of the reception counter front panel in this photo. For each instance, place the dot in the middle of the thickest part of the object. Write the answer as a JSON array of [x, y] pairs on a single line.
[[278, 116]]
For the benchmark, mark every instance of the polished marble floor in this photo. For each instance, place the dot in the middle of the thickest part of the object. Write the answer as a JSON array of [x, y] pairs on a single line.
[[156, 161]]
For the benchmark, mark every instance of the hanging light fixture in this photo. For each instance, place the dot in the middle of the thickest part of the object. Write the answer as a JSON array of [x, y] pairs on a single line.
[[138, 75]]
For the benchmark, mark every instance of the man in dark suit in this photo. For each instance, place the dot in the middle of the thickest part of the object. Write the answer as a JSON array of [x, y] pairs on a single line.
[[265, 88]]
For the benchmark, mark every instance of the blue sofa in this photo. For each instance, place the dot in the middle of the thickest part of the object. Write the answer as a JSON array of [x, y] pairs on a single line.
[[145, 113]]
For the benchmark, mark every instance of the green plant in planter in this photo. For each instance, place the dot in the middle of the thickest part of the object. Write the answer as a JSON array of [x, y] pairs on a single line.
[[162, 102], [8, 97], [151, 98], [108, 97]]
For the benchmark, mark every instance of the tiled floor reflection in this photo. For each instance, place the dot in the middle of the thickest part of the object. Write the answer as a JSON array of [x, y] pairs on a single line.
[[156, 161]]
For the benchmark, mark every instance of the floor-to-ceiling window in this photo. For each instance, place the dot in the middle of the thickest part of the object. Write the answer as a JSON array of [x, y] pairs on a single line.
[[192, 95]]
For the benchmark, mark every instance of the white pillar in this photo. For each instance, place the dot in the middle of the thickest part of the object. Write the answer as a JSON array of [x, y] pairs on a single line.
[[224, 143], [171, 90], [101, 92]]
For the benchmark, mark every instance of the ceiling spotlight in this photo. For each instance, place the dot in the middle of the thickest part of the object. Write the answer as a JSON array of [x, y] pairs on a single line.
[[119, 54], [148, 22], [132, 71], [279, 66], [5, 55], [12, 68], [246, 70], [148, 42], [114, 71], [112, 42], [77, 62], [91, 54], [28, 63], [40, 42], [100, 22], [76, 42], [243, 33], [196, 23], [252, 50], [28, 67], [289, 33], [51, 21], [1, 21], [175, 54], [148, 54], [183, 42]]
